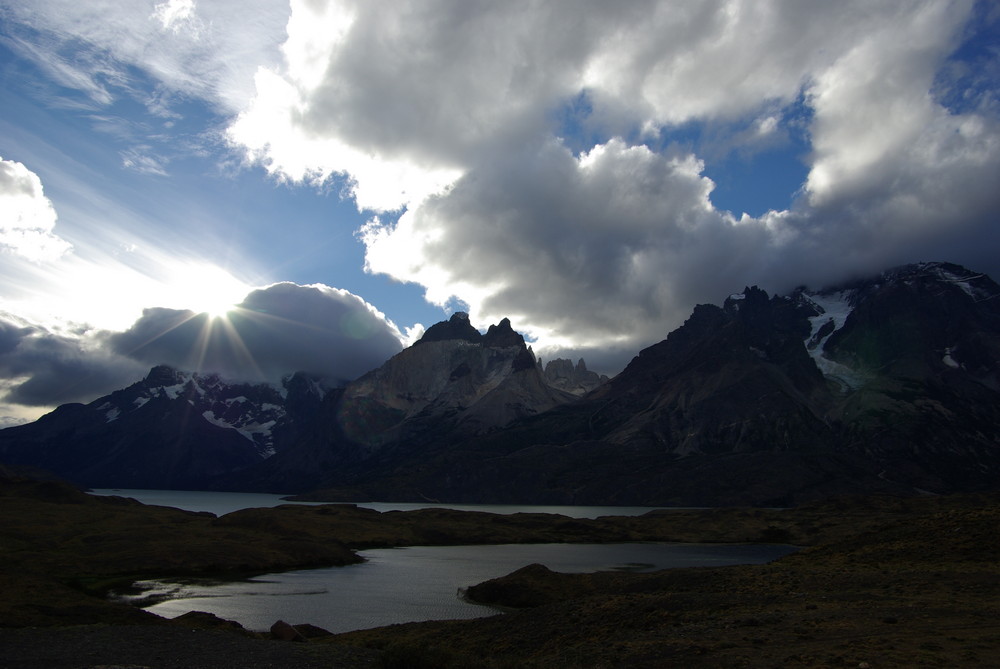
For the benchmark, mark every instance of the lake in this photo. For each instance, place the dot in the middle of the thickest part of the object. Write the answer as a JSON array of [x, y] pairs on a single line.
[[399, 585], [411, 584], [221, 503]]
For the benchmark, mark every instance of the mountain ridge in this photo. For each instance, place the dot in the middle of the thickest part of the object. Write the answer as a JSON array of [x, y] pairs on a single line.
[[734, 407], [884, 384]]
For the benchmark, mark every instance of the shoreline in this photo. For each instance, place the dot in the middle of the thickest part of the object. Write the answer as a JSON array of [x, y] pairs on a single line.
[[874, 584]]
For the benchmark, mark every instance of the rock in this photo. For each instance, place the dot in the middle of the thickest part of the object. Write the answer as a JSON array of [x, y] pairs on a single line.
[[282, 631], [502, 335], [312, 631], [203, 620], [457, 327], [578, 380]]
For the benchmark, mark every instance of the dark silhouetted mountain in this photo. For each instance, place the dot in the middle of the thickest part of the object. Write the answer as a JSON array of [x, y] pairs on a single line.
[[450, 385], [887, 384], [170, 430], [457, 327]]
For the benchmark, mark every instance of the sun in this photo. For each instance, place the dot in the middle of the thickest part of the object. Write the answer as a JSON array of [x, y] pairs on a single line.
[[208, 289]]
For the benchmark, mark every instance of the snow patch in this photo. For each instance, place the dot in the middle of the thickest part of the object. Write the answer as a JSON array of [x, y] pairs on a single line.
[[835, 307], [209, 415], [140, 402], [948, 360], [257, 433], [112, 414], [960, 281], [978, 294], [173, 392]]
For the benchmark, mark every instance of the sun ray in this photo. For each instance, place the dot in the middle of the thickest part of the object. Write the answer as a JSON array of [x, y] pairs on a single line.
[[241, 352]]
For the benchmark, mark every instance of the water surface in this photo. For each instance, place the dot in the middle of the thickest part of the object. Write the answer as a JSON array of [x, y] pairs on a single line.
[[221, 503], [418, 583]]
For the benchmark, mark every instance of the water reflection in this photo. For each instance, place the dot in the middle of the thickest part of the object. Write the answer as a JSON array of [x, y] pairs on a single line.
[[400, 585]]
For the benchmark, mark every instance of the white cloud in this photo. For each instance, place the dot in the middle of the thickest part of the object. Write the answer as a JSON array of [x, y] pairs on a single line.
[[575, 250], [174, 14], [268, 134], [615, 246], [211, 51], [873, 106], [430, 87], [137, 159], [509, 137], [27, 218]]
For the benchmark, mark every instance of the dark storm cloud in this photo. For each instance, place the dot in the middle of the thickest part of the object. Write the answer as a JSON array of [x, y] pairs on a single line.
[[275, 331], [44, 369]]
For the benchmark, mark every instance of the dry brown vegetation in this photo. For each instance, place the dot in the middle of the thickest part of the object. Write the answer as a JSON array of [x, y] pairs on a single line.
[[884, 582]]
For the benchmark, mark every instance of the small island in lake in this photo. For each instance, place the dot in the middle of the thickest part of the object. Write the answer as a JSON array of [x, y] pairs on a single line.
[[880, 581]]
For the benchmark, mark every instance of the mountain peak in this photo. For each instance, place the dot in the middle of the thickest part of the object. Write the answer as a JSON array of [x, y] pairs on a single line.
[[502, 336], [162, 375], [456, 327]]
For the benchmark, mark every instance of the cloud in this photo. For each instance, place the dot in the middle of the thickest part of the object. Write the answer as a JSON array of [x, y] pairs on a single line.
[[209, 49], [533, 160], [596, 246], [174, 14], [27, 218], [275, 331], [44, 368], [136, 159], [430, 88], [612, 244]]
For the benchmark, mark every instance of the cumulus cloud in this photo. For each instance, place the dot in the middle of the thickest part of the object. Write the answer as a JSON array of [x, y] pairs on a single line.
[[611, 245], [529, 159], [572, 248], [431, 87], [27, 218], [275, 331]]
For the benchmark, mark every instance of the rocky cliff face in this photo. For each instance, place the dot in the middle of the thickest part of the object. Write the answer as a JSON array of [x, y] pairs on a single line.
[[915, 366], [454, 374], [578, 380], [453, 384], [885, 384]]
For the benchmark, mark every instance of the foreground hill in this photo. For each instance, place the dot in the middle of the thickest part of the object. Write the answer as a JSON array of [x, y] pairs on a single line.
[[887, 582], [917, 588]]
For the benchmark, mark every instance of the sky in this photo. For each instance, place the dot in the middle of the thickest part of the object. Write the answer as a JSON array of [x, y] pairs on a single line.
[[264, 186]]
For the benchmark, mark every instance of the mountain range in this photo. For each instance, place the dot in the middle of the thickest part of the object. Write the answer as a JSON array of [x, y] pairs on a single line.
[[889, 383]]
